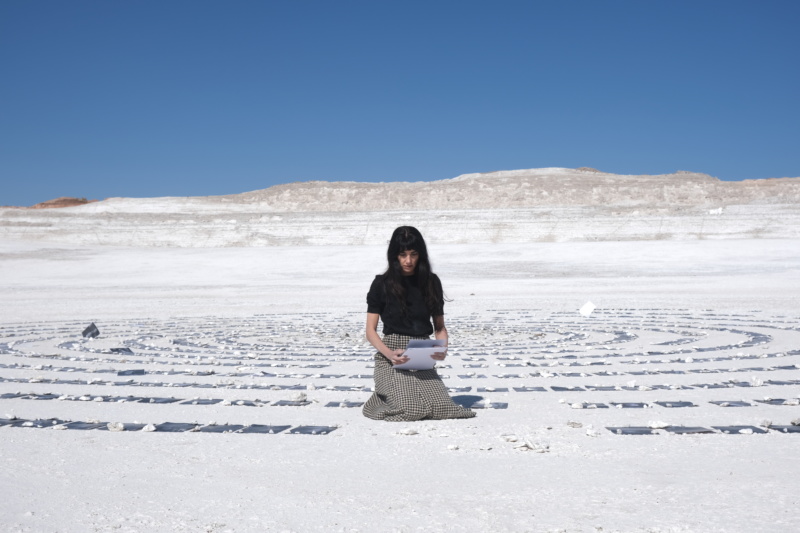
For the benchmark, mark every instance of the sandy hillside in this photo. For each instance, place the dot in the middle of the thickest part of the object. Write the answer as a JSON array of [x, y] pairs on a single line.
[[521, 206]]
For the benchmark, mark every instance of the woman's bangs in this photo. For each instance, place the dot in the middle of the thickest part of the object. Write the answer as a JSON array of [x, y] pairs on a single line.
[[407, 242]]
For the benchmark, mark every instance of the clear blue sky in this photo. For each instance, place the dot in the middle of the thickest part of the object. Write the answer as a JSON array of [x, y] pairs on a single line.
[[193, 97]]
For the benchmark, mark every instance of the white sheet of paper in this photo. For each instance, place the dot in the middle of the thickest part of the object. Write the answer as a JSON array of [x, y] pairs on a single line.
[[587, 309], [419, 353]]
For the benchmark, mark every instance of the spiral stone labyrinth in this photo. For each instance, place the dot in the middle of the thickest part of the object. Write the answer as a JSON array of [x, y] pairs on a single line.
[[659, 360]]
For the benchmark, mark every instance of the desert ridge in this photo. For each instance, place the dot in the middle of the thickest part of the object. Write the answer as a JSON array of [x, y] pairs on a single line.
[[508, 207]]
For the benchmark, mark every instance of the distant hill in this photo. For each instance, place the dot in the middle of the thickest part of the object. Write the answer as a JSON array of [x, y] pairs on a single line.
[[535, 205], [525, 188], [64, 201]]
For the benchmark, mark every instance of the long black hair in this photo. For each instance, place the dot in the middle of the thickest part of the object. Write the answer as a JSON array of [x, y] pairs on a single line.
[[409, 238]]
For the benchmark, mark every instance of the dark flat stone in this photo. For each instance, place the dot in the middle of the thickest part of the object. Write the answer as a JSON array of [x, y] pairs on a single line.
[[175, 427], [593, 405], [245, 403], [48, 396], [732, 404], [91, 331], [779, 401], [675, 404], [631, 430], [220, 428], [737, 430], [264, 429], [786, 429], [312, 430], [686, 430], [136, 372], [86, 425]]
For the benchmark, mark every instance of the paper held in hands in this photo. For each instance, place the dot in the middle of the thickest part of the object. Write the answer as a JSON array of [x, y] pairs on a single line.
[[419, 352]]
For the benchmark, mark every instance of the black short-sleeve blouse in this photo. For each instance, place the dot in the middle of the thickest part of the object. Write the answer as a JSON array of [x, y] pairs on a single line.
[[416, 321]]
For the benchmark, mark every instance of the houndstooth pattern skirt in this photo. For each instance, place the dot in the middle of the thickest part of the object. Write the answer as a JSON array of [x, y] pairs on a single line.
[[404, 395]]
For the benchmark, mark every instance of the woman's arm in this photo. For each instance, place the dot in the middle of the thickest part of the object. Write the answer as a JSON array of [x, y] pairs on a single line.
[[395, 356], [440, 332]]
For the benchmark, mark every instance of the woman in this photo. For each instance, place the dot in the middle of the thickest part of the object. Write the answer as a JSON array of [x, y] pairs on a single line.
[[405, 298]]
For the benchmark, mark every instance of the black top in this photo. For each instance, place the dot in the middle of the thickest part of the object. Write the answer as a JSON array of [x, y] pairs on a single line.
[[416, 322]]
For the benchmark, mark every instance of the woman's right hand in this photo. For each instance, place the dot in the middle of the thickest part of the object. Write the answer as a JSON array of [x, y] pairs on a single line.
[[397, 357]]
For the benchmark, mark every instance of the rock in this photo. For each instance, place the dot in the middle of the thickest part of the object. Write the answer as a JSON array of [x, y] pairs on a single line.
[[528, 445]]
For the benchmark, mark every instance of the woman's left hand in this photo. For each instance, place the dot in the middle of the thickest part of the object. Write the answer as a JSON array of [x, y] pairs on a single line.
[[439, 356]]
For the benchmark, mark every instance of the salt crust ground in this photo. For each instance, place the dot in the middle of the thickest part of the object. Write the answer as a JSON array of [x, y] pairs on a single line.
[[368, 476]]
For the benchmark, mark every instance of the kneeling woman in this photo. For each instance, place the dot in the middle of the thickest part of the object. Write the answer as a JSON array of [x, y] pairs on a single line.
[[405, 298]]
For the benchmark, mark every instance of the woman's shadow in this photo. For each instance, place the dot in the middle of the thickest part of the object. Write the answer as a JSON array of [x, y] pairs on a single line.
[[467, 400]]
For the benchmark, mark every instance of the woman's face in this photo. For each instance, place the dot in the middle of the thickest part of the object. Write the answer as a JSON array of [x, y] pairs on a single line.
[[408, 262]]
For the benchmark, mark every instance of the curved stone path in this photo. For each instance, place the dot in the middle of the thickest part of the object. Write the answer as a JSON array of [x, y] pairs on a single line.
[[661, 360]]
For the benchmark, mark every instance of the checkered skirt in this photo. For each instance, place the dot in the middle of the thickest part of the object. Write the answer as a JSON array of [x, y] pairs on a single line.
[[405, 395]]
